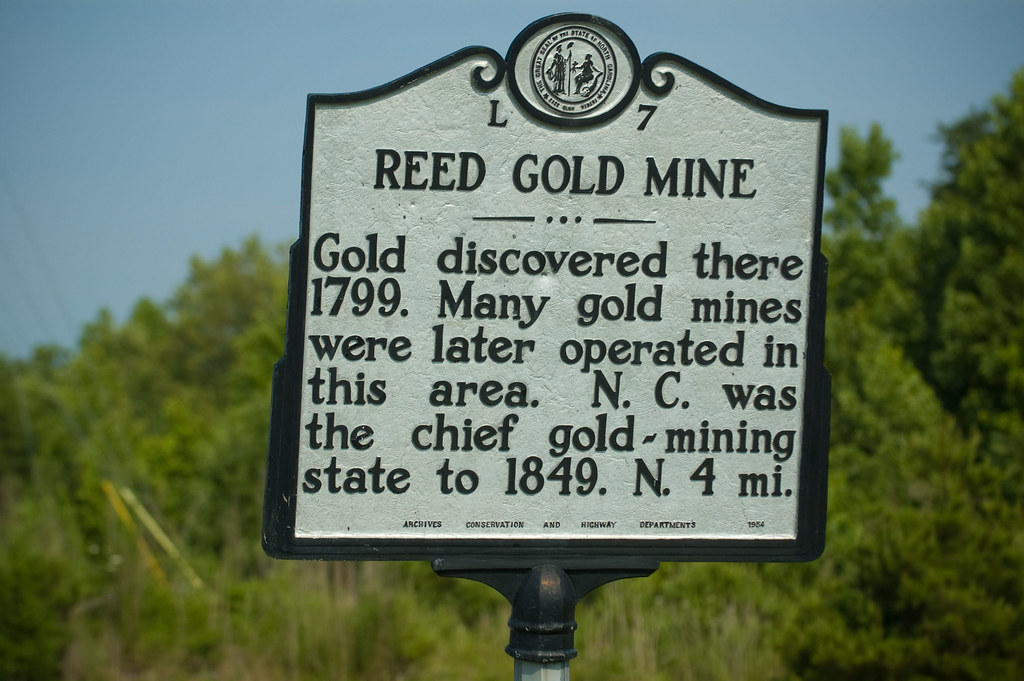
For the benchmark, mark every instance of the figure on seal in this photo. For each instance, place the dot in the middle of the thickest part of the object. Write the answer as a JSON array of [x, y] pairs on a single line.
[[585, 80], [556, 71]]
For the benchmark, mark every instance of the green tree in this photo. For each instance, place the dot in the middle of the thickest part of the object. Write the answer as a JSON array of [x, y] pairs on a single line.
[[855, 185], [865, 242], [971, 277], [921, 576]]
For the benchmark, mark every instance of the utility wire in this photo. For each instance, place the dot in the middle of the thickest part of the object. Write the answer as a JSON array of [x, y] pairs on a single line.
[[40, 256]]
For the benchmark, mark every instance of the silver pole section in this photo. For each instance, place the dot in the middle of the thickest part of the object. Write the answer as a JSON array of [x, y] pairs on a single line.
[[538, 671]]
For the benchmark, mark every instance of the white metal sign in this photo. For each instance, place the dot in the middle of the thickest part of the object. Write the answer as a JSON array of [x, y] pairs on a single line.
[[563, 303]]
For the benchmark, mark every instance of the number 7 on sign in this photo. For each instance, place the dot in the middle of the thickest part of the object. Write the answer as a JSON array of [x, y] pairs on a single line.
[[649, 109]]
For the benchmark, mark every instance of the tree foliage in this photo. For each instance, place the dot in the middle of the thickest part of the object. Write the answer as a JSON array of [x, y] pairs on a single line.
[[922, 578], [858, 202], [165, 415], [972, 268]]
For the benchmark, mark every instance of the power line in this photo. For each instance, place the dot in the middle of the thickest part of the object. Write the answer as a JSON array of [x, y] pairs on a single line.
[[37, 254]]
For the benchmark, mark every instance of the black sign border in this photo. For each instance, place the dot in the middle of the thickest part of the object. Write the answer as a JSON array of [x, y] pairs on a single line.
[[279, 540]]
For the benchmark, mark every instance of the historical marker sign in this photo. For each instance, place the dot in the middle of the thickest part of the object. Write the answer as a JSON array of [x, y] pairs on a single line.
[[565, 304]]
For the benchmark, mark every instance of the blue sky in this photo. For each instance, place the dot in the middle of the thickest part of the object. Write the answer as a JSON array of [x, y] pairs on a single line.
[[134, 135]]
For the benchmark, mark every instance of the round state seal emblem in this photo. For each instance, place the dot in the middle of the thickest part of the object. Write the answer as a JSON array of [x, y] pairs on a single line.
[[573, 69]]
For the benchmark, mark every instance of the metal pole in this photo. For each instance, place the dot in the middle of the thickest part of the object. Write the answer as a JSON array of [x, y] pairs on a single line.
[[543, 597], [543, 625], [525, 670]]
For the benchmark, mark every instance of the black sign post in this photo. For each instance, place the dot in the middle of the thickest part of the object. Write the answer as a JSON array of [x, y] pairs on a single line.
[[554, 318]]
